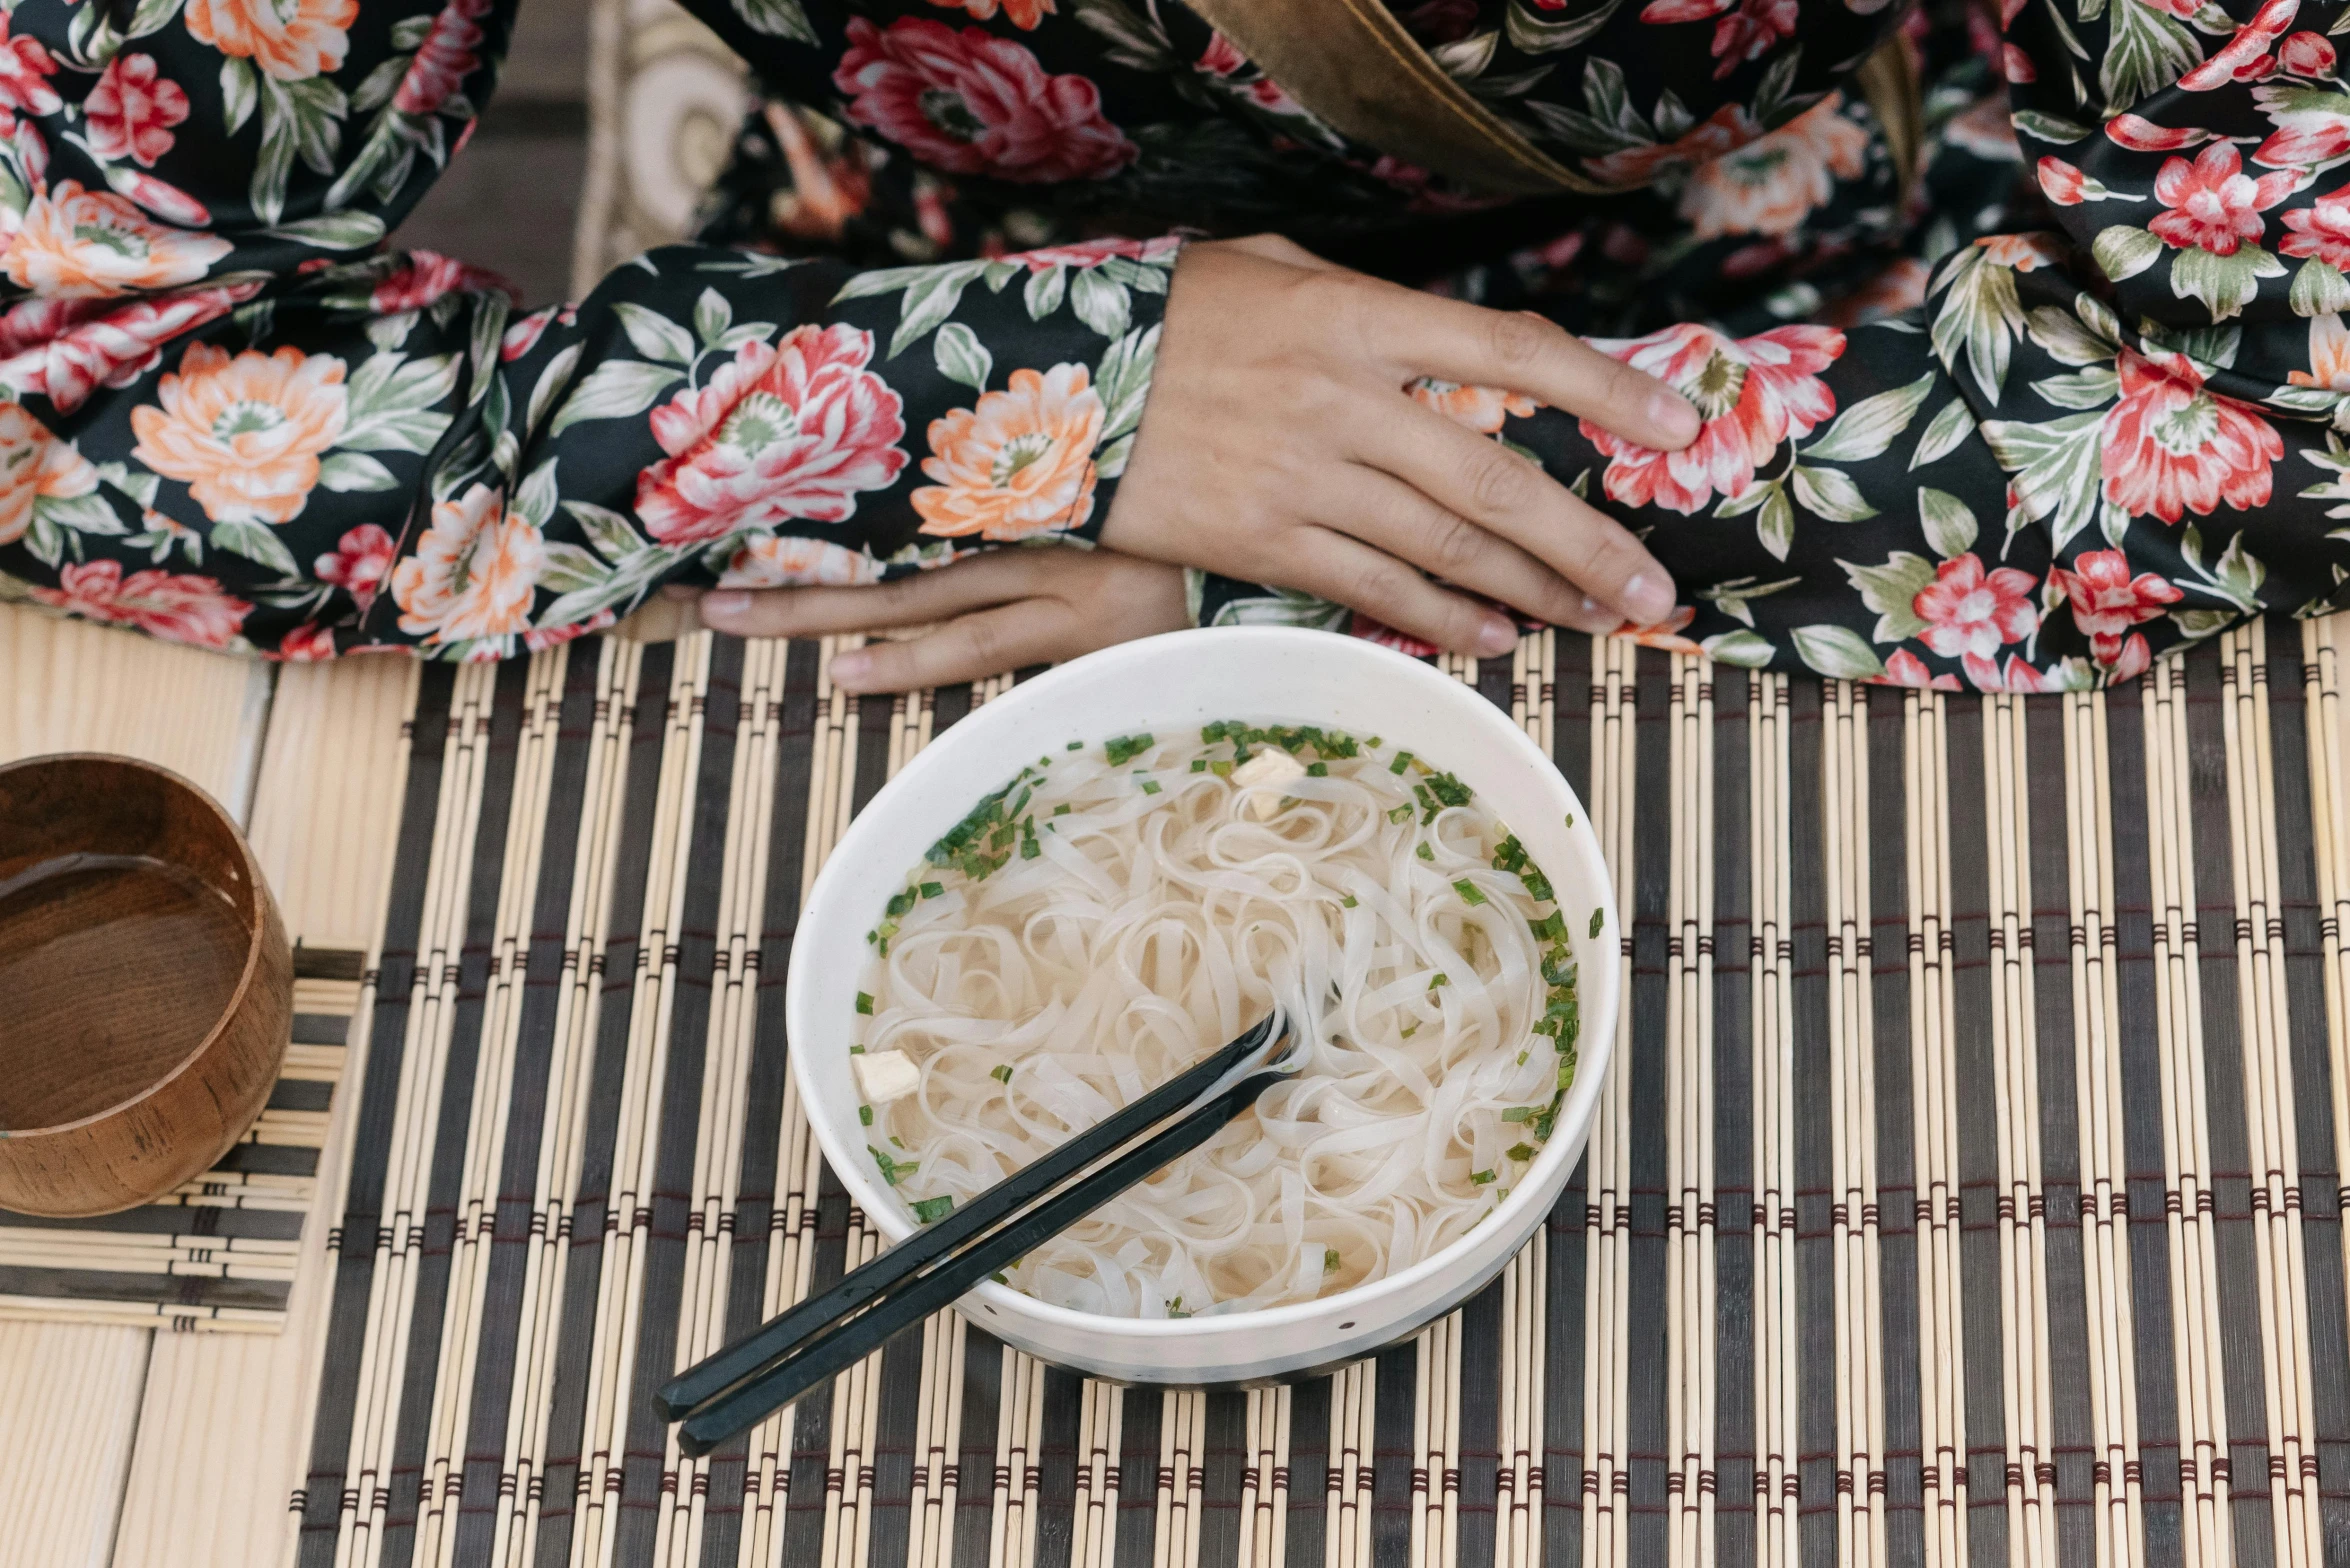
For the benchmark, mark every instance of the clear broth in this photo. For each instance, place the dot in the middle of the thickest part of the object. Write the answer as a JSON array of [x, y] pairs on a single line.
[[113, 968]]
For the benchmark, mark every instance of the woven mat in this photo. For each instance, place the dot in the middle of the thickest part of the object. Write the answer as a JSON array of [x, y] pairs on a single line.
[[219, 1253], [1966, 1187]]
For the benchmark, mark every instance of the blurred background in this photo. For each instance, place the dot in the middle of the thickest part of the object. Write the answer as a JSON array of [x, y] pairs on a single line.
[[511, 200]]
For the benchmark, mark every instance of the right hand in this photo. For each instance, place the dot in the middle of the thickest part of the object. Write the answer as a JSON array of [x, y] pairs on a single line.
[[1281, 445]]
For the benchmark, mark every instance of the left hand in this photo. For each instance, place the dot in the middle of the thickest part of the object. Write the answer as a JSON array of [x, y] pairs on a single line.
[[988, 615]]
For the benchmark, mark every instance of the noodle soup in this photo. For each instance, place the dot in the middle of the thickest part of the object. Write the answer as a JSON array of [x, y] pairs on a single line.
[[1118, 910]]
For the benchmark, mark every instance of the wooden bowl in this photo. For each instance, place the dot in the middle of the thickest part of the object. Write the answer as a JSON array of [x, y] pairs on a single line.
[[146, 988]]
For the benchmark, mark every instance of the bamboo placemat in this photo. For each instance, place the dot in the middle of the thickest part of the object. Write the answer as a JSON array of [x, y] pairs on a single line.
[[219, 1253], [1966, 1189]]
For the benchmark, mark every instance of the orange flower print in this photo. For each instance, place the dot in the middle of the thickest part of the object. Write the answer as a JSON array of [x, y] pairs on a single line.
[[1770, 185], [78, 244], [287, 40], [244, 434], [1023, 14], [474, 572], [791, 561], [1482, 409], [33, 464], [1666, 634], [1020, 463]]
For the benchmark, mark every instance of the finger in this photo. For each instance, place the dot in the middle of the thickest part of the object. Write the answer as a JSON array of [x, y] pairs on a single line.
[[1525, 353], [1383, 511], [1494, 487], [1345, 570], [973, 647], [908, 601]]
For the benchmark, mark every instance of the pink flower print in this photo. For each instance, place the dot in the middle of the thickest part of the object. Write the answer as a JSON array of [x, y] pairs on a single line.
[[132, 110], [445, 58], [1969, 611], [2107, 601], [2306, 54], [1746, 31], [2320, 230], [2210, 204], [972, 103], [1904, 668], [1753, 394], [2170, 447], [424, 276], [2244, 57], [358, 563], [786, 432], [25, 69]]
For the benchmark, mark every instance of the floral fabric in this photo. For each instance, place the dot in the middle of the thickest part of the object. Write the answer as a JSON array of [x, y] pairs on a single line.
[[2067, 400]]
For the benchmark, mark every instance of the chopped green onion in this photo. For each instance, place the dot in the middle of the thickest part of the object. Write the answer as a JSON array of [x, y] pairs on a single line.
[[1199, 764], [1538, 886], [1348, 901], [891, 1169], [1125, 748], [864, 1004], [1374, 741], [1521, 1113], [1403, 760], [1317, 770], [1001, 1073], [1150, 786], [932, 889], [1469, 892], [864, 1115], [1076, 745], [1441, 979], [1424, 852], [1521, 1152], [931, 1210], [1061, 810], [1407, 1033], [1330, 1260], [1402, 813], [1481, 1178], [1220, 768], [1598, 919]]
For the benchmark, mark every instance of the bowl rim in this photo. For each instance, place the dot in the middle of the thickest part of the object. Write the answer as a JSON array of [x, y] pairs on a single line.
[[253, 916], [1596, 1051]]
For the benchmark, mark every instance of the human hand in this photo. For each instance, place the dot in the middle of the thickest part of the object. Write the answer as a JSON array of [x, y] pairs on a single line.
[[1281, 445], [987, 615]]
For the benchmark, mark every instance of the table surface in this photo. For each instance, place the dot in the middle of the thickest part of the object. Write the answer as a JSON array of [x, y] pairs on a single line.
[[127, 1446]]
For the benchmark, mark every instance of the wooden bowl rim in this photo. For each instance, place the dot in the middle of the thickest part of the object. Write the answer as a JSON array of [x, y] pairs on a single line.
[[256, 930]]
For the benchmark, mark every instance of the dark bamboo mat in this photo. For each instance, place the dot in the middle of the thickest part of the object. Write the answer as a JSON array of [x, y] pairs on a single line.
[[219, 1254], [1966, 1189]]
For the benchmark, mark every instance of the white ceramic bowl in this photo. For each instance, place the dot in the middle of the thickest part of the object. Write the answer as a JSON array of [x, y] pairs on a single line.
[[1167, 684]]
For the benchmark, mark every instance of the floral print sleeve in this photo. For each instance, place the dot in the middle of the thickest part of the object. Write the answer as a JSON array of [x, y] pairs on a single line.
[[2077, 449], [229, 419], [2068, 398]]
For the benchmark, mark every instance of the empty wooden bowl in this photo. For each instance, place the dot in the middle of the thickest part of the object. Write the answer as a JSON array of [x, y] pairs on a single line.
[[146, 989]]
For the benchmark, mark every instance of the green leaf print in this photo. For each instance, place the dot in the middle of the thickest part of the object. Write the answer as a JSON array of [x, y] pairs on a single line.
[[1837, 652]]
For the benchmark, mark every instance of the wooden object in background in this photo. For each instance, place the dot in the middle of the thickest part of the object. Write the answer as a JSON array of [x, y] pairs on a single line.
[[178, 1005]]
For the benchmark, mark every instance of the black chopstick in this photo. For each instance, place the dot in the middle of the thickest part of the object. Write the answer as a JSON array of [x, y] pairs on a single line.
[[850, 1341], [713, 1376]]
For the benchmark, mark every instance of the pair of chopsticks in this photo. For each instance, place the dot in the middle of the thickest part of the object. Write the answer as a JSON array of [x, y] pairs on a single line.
[[827, 1334]]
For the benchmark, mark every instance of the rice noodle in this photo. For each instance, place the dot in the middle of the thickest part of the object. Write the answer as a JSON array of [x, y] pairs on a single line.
[[1119, 912]]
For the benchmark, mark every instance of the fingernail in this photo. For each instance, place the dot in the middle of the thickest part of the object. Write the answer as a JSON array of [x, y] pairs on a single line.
[[1496, 636], [1594, 613], [1674, 416], [1648, 599], [850, 667], [725, 605]]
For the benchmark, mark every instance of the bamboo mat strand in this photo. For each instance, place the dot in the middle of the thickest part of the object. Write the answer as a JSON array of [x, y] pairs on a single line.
[[1968, 1189]]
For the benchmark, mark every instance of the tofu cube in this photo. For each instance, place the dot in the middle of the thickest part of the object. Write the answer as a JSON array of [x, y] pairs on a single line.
[[886, 1075], [1264, 775]]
